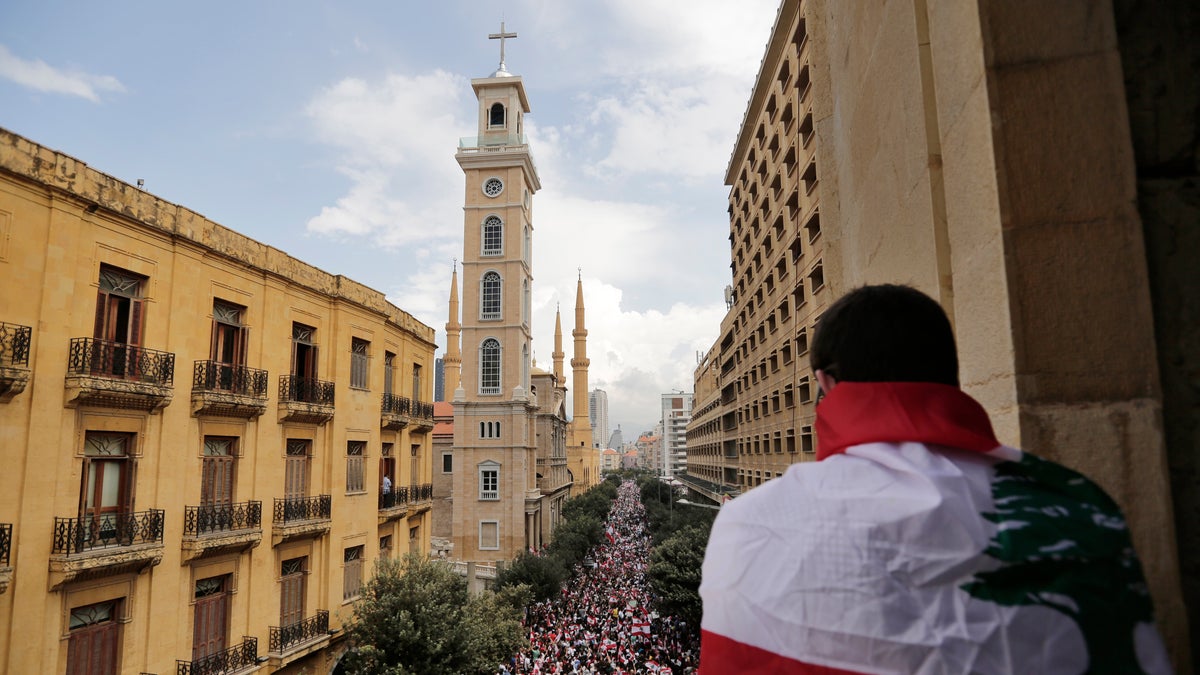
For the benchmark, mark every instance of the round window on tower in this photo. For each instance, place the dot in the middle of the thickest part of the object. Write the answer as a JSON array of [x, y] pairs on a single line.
[[492, 187]]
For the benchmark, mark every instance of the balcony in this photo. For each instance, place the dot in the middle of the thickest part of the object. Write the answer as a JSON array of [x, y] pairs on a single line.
[[118, 375], [393, 505], [226, 390], [304, 399], [300, 517], [14, 359], [289, 643], [5, 549], [102, 545], [395, 412], [422, 417], [214, 529], [420, 496], [405, 500], [237, 659]]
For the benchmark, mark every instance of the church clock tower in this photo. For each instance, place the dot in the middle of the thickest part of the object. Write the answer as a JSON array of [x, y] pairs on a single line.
[[496, 500]]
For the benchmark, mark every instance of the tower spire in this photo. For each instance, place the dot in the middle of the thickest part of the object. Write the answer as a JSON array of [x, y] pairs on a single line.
[[581, 420], [558, 354], [453, 359]]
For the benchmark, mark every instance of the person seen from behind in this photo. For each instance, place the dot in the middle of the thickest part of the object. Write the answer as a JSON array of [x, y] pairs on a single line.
[[917, 543]]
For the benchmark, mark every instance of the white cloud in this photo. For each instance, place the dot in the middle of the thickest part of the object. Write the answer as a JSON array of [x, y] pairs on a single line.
[[41, 76], [396, 143]]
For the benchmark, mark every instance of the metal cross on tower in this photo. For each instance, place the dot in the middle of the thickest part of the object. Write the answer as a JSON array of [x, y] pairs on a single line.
[[501, 36]]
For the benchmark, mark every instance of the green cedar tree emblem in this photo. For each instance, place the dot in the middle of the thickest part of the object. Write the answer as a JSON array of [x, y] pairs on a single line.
[[1063, 544]]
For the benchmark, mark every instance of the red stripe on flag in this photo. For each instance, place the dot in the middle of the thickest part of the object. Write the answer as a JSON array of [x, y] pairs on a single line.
[[720, 655]]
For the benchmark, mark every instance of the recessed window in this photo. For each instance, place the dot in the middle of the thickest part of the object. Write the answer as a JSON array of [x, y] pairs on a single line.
[[489, 429], [358, 363], [489, 535], [493, 236], [489, 307], [355, 456], [447, 462], [489, 366], [352, 572], [496, 115], [489, 481]]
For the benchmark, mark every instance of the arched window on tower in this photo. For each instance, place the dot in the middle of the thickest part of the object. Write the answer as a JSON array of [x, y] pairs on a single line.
[[489, 366], [489, 294], [493, 236], [525, 301], [496, 116]]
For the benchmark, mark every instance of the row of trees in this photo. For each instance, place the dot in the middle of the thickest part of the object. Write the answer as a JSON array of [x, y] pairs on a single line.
[[416, 616], [580, 531], [679, 533]]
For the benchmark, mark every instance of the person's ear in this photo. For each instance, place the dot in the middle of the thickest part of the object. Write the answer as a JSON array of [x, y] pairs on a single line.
[[826, 381]]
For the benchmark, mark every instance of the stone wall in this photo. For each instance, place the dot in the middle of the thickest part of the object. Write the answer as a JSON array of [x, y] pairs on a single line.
[[1161, 61]]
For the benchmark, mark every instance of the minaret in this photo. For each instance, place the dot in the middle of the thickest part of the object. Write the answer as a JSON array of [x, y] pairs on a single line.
[[453, 359], [558, 354], [581, 420]]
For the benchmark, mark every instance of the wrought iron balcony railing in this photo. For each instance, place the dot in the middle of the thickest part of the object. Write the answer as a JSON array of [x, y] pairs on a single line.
[[421, 492], [397, 405], [221, 517], [5, 543], [224, 377], [422, 410], [117, 360], [227, 661], [109, 530], [305, 390], [294, 509], [14, 344], [284, 637], [397, 497]]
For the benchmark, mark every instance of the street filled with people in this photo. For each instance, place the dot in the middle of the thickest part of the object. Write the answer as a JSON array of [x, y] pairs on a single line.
[[603, 622]]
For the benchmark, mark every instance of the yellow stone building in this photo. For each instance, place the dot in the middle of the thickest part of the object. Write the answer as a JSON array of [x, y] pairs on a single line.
[[1030, 166], [207, 443]]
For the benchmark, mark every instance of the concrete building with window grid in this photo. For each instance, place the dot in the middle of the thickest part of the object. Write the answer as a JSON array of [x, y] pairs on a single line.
[[207, 443], [598, 415], [1033, 168], [676, 413]]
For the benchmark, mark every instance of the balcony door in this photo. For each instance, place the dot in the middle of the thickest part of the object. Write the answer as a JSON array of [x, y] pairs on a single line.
[[291, 591], [119, 316], [228, 350], [107, 487], [95, 642], [211, 617], [304, 362]]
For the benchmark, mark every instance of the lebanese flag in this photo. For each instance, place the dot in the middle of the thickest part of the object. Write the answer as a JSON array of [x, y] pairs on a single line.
[[641, 627], [919, 545]]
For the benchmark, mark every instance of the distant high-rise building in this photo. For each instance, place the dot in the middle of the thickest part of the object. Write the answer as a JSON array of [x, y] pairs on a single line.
[[439, 379], [616, 441], [598, 413], [676, 413]]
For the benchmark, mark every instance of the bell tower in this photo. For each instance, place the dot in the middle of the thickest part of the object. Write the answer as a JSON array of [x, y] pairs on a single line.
[[496, 513]]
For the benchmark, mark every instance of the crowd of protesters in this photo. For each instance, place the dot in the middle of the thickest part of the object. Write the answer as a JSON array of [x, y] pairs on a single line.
[[603, 622]]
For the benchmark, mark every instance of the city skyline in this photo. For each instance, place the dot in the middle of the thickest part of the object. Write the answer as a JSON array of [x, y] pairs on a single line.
[[331, 135]]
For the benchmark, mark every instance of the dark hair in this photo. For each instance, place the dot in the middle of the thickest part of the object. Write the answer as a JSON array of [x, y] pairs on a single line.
[[885, 333]]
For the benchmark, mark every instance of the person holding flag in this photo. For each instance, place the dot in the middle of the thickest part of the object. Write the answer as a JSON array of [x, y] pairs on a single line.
[[917, 543]]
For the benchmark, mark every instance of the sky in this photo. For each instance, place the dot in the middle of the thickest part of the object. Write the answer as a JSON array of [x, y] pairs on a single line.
[[328, 130]]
